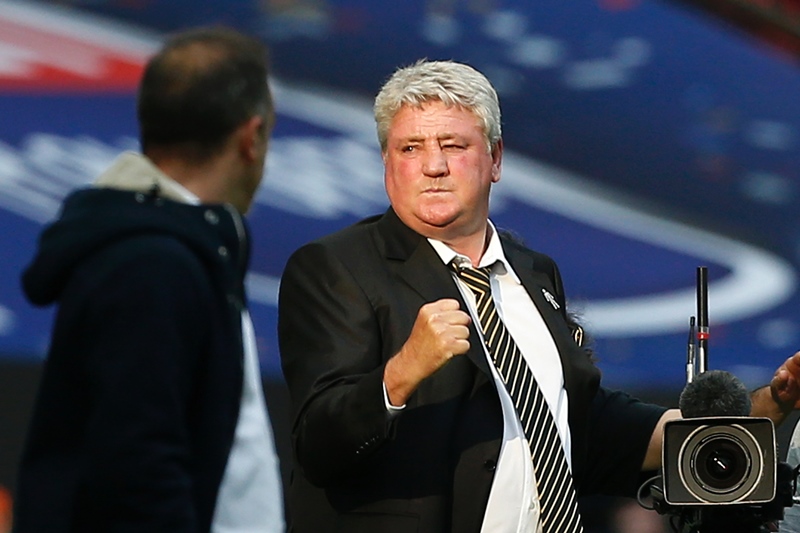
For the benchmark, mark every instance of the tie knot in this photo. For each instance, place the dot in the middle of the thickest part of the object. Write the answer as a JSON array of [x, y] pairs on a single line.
[[475, 278]]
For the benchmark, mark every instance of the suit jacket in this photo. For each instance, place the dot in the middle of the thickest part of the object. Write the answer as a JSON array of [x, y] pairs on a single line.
[[347, 304]]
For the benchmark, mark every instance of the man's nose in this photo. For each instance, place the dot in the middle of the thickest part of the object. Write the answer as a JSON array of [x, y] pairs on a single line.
[[435, 163]]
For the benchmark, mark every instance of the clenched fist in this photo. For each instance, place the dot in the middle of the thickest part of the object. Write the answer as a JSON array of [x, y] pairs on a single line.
[[440, 332]]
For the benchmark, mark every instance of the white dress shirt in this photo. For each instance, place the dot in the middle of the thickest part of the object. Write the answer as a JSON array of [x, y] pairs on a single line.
[[250, 497], [513, 504]]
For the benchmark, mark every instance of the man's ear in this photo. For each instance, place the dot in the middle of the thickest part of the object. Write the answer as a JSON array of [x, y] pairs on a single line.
[[497, 160], [251, 137]]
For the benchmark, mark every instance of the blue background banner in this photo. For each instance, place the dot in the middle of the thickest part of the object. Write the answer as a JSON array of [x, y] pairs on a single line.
[[643, 139]]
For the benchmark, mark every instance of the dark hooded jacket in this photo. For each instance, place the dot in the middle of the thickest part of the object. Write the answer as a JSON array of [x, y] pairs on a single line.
[[140, 393]]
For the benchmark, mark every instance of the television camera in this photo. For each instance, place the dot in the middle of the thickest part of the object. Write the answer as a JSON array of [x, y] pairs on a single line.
[[720, 472]]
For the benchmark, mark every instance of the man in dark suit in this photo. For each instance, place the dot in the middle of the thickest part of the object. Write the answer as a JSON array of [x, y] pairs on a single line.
[[402, 420]]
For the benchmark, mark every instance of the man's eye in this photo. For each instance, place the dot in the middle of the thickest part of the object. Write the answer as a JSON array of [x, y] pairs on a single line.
[[408, 148]]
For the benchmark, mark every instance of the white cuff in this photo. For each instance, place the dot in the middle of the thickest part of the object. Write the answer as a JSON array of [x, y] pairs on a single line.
[[391, 409]]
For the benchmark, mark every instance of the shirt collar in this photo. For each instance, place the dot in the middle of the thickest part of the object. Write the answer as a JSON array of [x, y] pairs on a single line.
[[493, 257]]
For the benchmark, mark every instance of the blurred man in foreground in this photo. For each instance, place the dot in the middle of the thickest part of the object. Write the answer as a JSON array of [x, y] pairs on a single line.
[[150, 416]]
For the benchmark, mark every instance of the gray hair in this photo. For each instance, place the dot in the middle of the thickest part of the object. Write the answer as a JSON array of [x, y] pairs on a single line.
[[452, 83]]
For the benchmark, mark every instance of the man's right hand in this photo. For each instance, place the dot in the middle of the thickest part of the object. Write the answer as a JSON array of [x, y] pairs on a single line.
[[440, 332]]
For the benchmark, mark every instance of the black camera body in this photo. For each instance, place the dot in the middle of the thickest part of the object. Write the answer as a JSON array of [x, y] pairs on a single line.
[[719, 461]]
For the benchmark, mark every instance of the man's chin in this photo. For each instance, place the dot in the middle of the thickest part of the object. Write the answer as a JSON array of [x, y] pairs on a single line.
[[438, 215], [440, 222]]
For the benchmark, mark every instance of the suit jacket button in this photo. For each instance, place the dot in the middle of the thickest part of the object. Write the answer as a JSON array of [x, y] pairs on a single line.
[[490, 465]]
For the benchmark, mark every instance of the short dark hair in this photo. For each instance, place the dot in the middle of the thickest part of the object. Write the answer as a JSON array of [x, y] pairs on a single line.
[[199, 88]]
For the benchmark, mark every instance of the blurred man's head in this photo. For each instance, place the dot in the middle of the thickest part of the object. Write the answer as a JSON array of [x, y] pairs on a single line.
[[201, 86], [206, 114]]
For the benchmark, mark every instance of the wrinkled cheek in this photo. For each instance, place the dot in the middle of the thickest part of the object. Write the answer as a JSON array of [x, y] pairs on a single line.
[[393, 180]]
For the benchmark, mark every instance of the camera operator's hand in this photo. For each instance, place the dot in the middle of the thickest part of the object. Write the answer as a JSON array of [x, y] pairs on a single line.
[[785, 385], [782, 396]]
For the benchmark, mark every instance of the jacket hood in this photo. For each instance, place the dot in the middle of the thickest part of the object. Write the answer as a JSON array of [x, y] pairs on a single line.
[[93, 218]]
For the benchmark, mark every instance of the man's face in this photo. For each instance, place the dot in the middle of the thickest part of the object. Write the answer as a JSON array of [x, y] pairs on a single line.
[[438, 170]]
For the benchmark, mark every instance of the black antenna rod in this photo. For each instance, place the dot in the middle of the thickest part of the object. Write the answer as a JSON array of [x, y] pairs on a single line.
[[702, 319]]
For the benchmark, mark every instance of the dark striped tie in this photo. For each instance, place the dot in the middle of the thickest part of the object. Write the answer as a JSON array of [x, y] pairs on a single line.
[[553, 480]]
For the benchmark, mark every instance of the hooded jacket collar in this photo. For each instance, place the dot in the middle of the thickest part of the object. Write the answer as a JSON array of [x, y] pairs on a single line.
[[130, 199], [134, 172]]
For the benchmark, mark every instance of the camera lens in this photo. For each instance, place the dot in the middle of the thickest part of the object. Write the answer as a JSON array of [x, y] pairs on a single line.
[[721, 463], [720, 460]]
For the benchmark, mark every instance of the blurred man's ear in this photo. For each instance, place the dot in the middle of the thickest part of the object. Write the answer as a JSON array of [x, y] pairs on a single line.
[[252, 136]]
